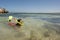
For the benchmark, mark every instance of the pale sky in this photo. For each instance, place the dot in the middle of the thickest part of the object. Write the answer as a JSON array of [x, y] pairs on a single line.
[[35, 6]]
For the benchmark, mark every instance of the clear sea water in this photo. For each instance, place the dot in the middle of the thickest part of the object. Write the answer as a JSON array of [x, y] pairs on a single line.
[[44, 28], [50, 17]]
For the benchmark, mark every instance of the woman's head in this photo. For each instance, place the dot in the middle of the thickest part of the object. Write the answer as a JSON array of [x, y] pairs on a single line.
[[19, 20], [10, 17]]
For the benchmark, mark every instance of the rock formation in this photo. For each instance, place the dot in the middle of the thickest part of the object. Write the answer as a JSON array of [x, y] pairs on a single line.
[[3, 10]]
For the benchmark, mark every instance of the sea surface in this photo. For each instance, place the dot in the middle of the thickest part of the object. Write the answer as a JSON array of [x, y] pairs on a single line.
[[37, 26], [50, 17]]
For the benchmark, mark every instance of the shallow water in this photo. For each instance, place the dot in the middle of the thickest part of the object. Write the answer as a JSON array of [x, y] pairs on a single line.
[[35, 28]]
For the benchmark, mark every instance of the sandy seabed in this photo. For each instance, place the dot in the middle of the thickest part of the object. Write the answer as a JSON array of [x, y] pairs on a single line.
[[33, 29]]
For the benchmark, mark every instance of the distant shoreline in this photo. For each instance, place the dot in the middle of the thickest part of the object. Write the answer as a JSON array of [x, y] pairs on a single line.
[[34, 13]]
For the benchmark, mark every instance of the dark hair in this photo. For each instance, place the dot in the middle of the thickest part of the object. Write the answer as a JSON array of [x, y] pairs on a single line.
[[9, 20], [19, 20]]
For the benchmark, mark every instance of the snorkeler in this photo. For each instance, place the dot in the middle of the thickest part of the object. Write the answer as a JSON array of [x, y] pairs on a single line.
[[10, 18], [12, 21], [19, 23], [15, 23]]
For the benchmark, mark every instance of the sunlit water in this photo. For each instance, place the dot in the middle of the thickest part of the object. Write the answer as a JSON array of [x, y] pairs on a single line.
[[36, 27]]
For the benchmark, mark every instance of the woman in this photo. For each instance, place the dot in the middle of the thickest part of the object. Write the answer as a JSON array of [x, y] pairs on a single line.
[[19, 23], [12, 21]]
